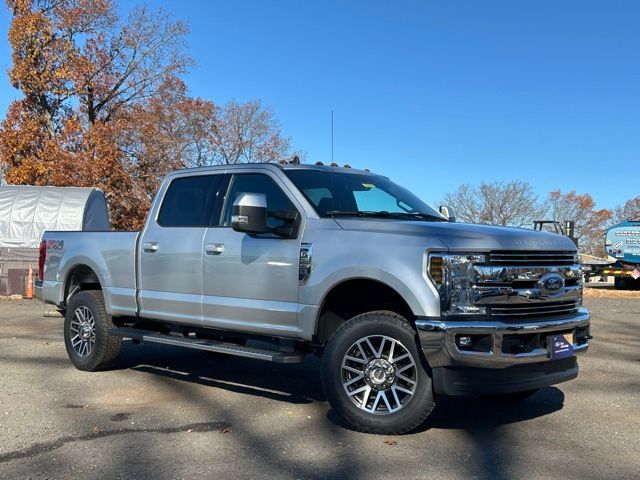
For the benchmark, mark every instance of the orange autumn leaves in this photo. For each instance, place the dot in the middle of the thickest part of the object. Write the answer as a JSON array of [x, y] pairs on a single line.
[[82, 74], [103, 105], [590, 222]]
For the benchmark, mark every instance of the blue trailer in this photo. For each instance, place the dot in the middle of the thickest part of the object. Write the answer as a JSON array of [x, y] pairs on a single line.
[[622, 244]]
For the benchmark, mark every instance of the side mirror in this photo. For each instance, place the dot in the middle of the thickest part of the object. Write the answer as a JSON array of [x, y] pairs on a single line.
[[249, 213], [448, 212]]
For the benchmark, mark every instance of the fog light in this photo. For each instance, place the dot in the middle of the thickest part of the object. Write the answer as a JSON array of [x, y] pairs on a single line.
[[474, 343]]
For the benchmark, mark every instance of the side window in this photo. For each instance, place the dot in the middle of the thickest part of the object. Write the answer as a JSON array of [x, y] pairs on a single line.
[[256, 183], [189, 201]]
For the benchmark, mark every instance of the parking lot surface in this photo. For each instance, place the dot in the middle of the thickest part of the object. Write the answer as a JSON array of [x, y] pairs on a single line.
[[171, 413]]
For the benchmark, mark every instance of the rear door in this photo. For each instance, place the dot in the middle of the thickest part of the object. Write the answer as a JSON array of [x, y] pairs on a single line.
[[171, 250], [250, 282]]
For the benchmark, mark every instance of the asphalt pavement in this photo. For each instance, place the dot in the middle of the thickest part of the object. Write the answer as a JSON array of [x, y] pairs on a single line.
[[168, 413]]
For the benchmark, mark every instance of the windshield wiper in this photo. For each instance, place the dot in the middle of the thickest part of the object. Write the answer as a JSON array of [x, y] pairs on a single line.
[[359, 213], [418, 215], [385, 214]]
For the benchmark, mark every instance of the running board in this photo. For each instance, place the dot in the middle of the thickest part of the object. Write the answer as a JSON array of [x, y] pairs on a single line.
[[208, 345]]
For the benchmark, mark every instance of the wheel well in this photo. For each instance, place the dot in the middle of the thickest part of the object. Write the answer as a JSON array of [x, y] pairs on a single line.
[[81, 277], [353, 297]]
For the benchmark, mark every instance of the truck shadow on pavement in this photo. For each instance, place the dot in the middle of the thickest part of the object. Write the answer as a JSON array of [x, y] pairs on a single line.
[[489, 446], [487, 413], [483, 422], [300, 384], [483, 415], [296, 384]]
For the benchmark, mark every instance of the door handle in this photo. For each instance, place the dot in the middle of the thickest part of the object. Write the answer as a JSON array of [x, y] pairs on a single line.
[[214, 248], [150, 247]]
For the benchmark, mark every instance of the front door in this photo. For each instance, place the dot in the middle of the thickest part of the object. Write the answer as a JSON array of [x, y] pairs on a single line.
[[250, 282]]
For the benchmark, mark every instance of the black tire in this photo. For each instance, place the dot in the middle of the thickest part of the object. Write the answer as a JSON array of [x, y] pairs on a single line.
[[619, 283], [415, 409], [104, 352], [626, 283]]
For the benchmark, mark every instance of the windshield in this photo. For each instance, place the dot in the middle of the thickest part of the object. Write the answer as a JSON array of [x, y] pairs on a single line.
[[361, 195]]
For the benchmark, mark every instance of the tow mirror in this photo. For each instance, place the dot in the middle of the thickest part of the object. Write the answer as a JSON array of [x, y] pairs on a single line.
[[448, 212], [249, 213]]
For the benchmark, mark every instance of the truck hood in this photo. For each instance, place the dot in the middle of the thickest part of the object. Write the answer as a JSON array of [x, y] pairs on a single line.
[[463, 236]]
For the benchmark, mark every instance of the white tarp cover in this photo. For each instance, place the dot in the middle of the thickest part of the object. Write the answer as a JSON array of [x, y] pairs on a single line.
[[26, 212]]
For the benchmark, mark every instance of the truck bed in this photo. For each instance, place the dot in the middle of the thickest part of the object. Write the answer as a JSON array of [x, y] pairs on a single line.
[[110, 255]]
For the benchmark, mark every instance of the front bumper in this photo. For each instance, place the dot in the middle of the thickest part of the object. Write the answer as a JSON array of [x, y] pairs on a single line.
[[518, 378], [499, 370]]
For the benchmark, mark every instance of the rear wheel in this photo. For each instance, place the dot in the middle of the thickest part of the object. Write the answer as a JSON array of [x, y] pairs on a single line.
[[619, 283], [626, 283], [86, 332], [374, 377]]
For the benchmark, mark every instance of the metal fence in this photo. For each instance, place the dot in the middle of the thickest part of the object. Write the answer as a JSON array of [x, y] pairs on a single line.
[[15, 264]]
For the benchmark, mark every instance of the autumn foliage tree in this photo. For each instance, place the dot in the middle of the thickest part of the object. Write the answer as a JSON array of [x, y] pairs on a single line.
[[590, 222], [78, 68], [103, 105], [167, 131], [515, 204]]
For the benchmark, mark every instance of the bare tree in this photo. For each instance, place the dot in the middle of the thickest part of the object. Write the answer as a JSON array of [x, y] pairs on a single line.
[[629, 211], [496, 203], [247, 132], [127, 64]]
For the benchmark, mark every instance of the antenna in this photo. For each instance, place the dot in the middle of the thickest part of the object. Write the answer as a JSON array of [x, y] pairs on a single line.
[[332, 135], [333, 170]]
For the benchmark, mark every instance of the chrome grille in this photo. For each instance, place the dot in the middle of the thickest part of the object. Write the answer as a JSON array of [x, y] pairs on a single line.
[[534, 258], [509, 284], [533, 310]]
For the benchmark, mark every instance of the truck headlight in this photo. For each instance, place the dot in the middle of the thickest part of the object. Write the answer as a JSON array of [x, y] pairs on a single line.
[[452, 276]]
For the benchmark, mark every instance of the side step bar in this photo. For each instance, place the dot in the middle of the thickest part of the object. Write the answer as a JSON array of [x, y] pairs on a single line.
[[208, 345]]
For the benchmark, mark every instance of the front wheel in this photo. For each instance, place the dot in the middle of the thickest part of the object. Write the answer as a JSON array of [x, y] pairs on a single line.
[[373, 375]]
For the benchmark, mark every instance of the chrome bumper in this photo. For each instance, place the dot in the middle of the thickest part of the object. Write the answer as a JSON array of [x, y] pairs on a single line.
[[439, 346]]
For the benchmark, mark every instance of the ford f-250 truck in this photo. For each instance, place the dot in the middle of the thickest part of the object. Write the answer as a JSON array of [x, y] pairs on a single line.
[[403, 303]]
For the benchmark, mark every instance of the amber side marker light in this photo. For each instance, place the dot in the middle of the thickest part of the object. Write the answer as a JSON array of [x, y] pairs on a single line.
[[435, 270]]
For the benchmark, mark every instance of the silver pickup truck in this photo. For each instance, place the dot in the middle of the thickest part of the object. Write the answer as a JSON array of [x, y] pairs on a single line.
[[274, 262]]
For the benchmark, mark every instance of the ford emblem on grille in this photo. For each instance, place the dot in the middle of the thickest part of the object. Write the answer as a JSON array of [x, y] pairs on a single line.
[[551, 283]]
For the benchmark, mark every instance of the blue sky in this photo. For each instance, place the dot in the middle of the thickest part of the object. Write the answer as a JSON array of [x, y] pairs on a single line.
[[434, 93]]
